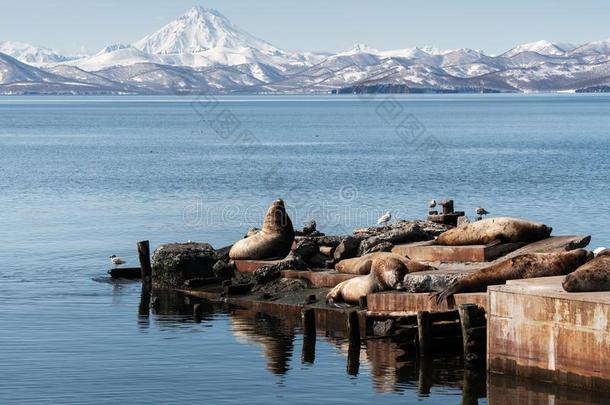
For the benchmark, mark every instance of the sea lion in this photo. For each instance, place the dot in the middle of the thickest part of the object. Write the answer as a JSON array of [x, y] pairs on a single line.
[[386, 273], [362, 265], [530, 265], [273, 241], [486, 231], [591, 276]]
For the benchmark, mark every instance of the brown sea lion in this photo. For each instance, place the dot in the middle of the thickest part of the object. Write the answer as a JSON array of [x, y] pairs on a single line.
[[591, 276], [386, 273], [530, 265], [362, 265], [273, 241], [486, 231]]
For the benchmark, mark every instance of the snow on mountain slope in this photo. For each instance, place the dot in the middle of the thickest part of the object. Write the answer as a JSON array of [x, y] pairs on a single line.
[[202, 51], [11, 71], [200, 30], [592, 49], [541, 47], [205, 37], [33, 55], [114, 55], [78, 75]]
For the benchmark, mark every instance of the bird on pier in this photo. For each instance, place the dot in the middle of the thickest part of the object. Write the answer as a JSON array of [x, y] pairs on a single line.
[[385, 218], [480, 213], [432, 204], [117, 261]]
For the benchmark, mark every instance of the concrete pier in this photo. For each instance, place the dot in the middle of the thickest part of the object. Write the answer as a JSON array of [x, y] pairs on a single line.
[[537, 330]]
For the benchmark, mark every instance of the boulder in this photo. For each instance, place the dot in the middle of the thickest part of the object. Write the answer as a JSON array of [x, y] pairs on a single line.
[[347, 249], [174, 263]]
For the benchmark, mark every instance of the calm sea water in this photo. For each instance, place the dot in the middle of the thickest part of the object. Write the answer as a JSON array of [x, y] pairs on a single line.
[[83, 178]]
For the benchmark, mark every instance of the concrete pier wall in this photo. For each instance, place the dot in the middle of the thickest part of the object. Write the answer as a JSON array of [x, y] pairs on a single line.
[[537, 330]]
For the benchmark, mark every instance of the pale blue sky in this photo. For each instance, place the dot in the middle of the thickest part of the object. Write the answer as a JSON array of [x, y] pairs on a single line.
[[329, 25]]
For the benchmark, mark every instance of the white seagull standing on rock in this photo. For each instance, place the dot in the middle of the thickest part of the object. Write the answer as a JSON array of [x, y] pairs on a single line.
[[385, 218], [432, 204], [117, 261]]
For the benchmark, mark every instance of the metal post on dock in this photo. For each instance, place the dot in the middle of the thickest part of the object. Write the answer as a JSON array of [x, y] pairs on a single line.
[[144, 258], [424, 339], [474, 332], [308, 353]]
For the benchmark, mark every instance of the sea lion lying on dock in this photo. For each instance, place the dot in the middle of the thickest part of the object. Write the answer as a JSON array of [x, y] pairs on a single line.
[[504, 229], [530, 265], [362, 265], [273, 241], [591, 276], [386, 273]]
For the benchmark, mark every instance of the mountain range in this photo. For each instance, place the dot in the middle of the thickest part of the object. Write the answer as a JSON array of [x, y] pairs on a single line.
[[203, 52]]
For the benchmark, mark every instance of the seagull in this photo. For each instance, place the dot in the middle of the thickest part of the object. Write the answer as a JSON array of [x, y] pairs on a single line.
[[432, 204], [117, 261], [385, 218], [480, 212], [598, 251]]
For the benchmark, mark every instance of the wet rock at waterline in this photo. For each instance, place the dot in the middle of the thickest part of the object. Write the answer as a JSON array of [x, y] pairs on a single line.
[[174, 263]]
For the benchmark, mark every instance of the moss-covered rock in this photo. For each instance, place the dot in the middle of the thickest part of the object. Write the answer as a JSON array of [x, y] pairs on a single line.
[[174, 263]]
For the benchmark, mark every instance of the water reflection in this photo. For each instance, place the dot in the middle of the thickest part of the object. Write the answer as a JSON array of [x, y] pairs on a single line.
[[270, 333], [393, 367]]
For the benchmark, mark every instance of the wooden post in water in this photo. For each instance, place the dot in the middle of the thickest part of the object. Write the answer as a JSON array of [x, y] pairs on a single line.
[[424, 337], [308, 353], [308, 316], [145, 267], [474, 332], [197, 312], [353, 352]]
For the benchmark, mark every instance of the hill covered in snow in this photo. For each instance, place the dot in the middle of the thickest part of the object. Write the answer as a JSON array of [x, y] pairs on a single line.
[[203, 52]]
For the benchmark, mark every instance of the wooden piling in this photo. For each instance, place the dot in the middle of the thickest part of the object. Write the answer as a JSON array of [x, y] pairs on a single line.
[[145, 266], [362, 302], [424, 338], [197, 312], [473, 332], [144, 307], [308, 317], [353, 351], [308, 353], [353, 327]]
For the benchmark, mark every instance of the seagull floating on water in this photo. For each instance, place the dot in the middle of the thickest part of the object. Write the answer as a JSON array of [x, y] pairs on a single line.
[[432, 204], [117, 261], [385, 218]]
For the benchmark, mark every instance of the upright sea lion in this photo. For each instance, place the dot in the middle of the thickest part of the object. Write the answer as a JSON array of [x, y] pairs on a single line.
[[530, 265], [362, 265], [386, 273], [591, 276], [273, 241], [486, 231]]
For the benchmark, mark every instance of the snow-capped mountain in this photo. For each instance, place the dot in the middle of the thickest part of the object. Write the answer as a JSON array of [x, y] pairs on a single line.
[[203, 52], [540, 47], [202, 30], [19, 78], [33, 55]]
